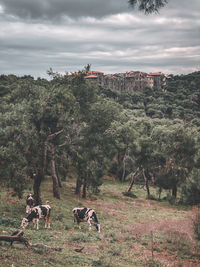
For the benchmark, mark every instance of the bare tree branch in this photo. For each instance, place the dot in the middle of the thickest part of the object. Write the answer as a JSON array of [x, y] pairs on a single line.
[[148, 6]]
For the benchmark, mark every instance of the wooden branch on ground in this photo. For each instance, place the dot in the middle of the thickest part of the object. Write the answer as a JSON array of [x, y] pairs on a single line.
[[79, 249], [18, 236], [45, 246], [15, 236]]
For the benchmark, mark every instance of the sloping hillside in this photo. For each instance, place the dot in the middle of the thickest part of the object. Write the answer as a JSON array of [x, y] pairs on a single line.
[[134, 231]]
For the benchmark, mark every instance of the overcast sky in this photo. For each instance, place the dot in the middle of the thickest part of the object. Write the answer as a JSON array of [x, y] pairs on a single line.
[[66, 35]]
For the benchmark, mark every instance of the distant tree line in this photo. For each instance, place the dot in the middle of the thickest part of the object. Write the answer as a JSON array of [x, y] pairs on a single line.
[[150, 137]]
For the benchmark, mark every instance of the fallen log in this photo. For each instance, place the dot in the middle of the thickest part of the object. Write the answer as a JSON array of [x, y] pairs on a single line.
[[79, 249], [12, 239], [15, 236], [18, 236]]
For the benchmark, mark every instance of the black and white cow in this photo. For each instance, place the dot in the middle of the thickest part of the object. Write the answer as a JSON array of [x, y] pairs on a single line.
[[30, 203], [37, 213], [86, 215]]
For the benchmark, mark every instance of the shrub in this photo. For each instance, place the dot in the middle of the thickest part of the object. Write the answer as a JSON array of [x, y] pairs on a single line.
[[9, 222], [196, 223], [129, 194], [190, 190]]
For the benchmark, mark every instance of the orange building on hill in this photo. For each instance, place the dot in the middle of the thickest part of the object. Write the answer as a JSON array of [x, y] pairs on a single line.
[[128, 81]]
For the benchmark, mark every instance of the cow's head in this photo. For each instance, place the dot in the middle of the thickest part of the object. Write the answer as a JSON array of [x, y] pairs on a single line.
[[24, 223], [97, 227], [74, 210], [30, 199], [29, 196]]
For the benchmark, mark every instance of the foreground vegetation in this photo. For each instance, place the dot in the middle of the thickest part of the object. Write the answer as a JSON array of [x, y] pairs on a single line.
[[134, 231]]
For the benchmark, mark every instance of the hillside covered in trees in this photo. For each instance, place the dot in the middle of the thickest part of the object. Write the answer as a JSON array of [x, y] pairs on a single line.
[[150, 137]]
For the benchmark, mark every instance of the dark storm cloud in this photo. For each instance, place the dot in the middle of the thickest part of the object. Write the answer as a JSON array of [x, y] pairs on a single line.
[[50, 9], [68, 34], [54, 9]]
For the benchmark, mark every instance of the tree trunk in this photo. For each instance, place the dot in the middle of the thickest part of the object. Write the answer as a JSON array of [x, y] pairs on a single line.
[[78, 186], [124, 167], [174, 191], [119, 162], [36, 186], [159, 192], [56, 192], [133, 178], [78, 180], [57, 173], [84, 188], [42, 169], [146, 183], [45, 156]]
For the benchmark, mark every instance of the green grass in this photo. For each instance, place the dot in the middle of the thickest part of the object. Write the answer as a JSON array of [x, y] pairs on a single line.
[[127, 225]]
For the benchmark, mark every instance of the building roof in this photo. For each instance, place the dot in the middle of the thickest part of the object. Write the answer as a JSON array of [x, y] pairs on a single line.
[[156, 73], [94, 72], [90, 77]]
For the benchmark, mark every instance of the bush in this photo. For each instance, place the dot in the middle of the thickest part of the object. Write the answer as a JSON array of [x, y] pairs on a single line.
[[190, 190], [129, 194], [196, 223], [171, 199], [9, 222]]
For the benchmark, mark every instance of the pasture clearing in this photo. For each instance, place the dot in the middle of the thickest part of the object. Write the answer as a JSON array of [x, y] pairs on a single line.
[[134, 231]]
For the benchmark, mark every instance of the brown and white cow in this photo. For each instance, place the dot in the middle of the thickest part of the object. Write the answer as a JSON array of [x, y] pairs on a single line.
[[37, 213], [86, 215], [30, 203]]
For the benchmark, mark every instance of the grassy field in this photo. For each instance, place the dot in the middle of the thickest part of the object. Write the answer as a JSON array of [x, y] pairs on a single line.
[[134, 231]]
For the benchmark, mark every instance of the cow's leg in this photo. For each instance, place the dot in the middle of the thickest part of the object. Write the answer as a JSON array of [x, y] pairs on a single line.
[[89, 221], [79, 225], [37, 224], [48, 224], [45, 219], [78, 222], [34, 223], [98, 227]]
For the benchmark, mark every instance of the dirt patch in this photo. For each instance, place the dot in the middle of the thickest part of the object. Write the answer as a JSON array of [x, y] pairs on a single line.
[[182, 226]]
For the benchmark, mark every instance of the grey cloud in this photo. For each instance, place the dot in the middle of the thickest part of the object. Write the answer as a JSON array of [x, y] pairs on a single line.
[[51, 9], [56, 9], [110, 40]]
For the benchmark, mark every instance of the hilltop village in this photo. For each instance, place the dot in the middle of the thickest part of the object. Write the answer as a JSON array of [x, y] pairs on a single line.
[[128, 81]]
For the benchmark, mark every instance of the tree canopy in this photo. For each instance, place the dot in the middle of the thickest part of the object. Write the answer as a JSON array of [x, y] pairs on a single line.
[[46, 127]]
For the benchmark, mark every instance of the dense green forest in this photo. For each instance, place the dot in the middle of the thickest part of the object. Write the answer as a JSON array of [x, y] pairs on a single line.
[[50, 127]]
